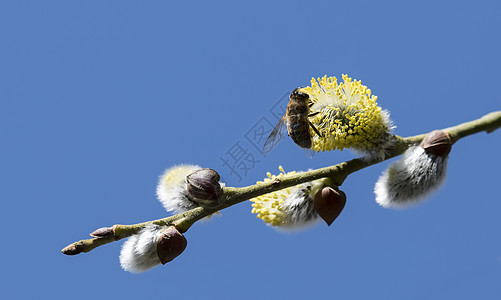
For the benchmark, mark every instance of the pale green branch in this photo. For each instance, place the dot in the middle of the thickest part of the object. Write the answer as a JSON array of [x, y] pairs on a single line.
[[233, 195]]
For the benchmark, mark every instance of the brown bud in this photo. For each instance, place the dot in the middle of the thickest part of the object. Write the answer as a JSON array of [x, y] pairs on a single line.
[[102, 232], [437, 142], [71, 249], [170, 244], [204, 187], [329, 202]]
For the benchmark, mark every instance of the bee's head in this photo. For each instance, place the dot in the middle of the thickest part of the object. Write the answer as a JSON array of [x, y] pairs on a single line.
[[298, 93]]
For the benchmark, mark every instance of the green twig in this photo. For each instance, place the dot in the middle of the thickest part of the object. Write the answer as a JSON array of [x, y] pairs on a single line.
[[232, 195]]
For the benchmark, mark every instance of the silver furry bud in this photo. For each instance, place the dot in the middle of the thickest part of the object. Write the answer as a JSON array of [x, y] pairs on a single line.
[[410, 179], [139, 252]]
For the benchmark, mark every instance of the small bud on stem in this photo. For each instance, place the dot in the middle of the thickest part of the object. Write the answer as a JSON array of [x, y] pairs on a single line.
[[71, 250], [103, 232], [329, 203], [437, 143], [170, 244], [204, 187]]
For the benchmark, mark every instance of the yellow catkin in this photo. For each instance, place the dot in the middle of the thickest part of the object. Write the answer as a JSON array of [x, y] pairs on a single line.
[[270, 207], [267, 206], [347, 115]]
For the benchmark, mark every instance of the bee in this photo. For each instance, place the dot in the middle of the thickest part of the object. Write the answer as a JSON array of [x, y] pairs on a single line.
[[298, 126]]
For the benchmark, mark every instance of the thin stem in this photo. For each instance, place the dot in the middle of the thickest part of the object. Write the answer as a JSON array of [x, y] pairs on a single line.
[[232, 195]]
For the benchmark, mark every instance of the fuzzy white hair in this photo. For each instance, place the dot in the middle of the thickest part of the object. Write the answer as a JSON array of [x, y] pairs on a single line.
[[299, 211], [298, 207], [410, 179], [384, 142], [172, 191], [139, 252]]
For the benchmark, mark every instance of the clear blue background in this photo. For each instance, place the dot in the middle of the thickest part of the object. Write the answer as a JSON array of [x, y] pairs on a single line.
[[97, 98]]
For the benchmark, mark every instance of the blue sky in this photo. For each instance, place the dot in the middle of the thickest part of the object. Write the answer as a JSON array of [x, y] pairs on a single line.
[[97, 98]]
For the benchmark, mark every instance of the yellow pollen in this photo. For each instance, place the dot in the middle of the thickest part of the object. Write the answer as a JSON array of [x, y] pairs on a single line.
[[347, 115]]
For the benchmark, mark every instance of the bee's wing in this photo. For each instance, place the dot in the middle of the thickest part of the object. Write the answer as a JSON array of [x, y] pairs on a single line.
[[309, 152], [276, 135]]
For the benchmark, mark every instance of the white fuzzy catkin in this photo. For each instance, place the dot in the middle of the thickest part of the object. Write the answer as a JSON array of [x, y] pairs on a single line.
[[382, 144], [299, 211], [289, 209], [410, 179], [139, 252]]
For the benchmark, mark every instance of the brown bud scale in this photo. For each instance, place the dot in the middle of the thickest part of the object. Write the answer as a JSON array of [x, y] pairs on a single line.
[[102, 232], [329, 203], [170, 244], [437, 142], [203, 186], [71, 250]]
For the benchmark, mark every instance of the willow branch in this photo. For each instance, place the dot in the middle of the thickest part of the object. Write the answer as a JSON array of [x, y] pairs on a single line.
[[232, 195]]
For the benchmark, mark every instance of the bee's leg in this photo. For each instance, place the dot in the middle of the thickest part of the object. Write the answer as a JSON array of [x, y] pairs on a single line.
[[315, 129], [313, 114]]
